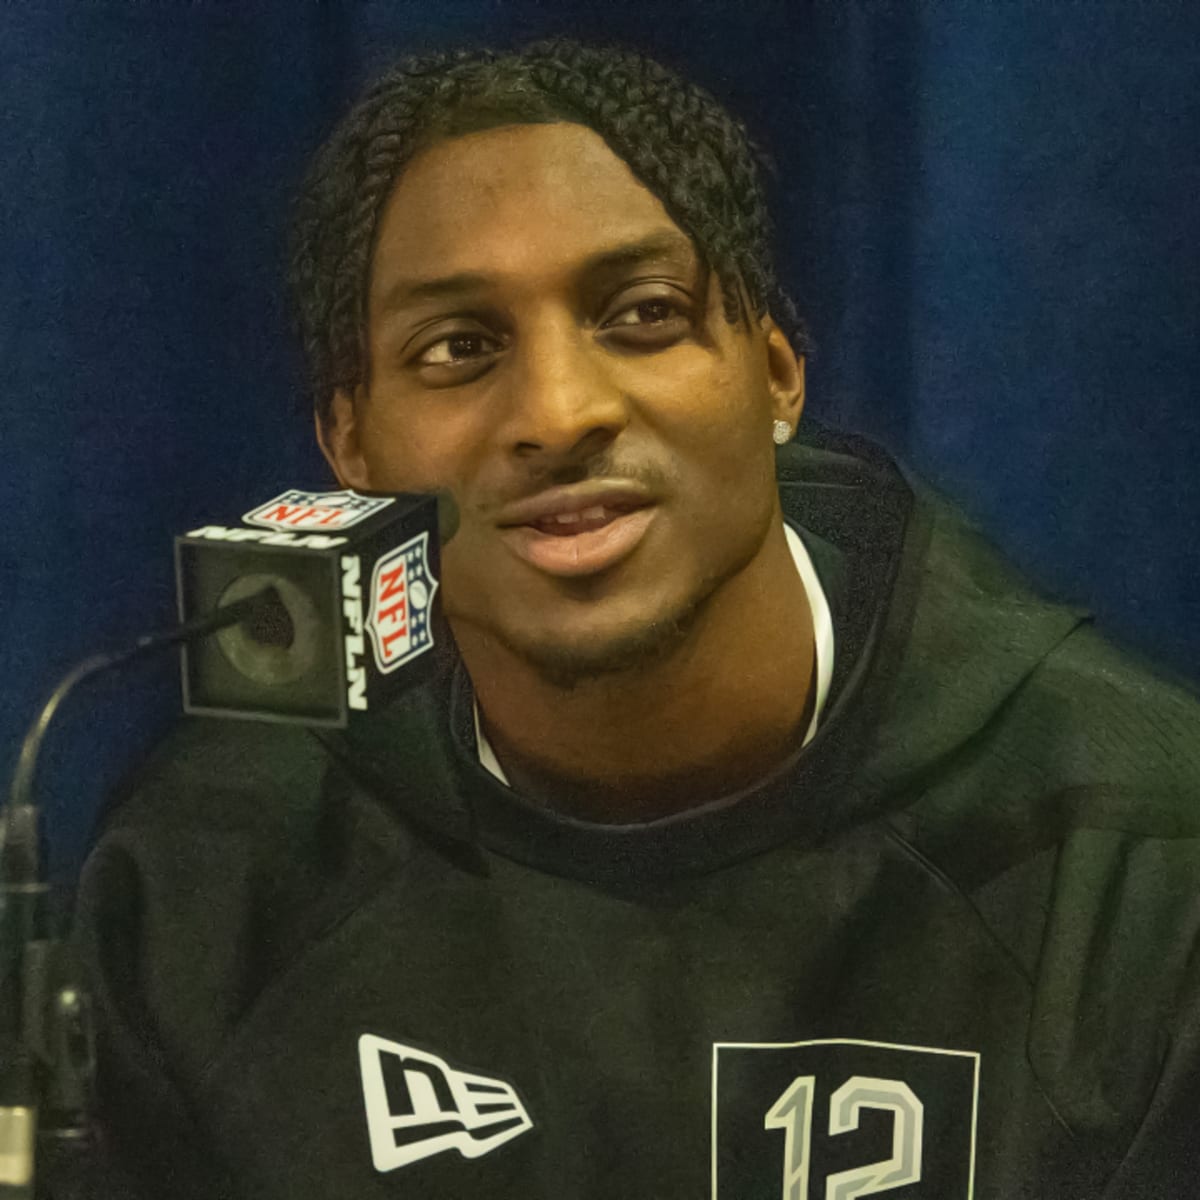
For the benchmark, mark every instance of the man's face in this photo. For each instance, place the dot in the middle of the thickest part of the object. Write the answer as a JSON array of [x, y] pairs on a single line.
[[544, 343]]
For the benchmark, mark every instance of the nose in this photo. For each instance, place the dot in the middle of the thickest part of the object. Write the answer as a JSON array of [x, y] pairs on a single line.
[[564, 402]]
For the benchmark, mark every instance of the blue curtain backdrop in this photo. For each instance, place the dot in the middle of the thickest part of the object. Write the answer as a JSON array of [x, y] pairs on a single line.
[[989, 210]]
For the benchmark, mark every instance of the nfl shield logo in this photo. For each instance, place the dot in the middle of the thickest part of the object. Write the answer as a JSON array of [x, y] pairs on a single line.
[[402, 591], [296, 509]]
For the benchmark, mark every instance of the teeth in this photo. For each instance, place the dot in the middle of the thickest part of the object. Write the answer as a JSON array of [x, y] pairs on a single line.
[[598, 512]]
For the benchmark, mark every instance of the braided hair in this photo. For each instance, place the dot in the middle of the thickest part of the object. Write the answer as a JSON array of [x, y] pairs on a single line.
[[678, 141]]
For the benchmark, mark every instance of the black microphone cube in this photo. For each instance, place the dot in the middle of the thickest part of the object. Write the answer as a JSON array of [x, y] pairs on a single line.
[[355, 576]]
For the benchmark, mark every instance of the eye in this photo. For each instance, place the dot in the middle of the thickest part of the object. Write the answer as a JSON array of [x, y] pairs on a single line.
[[653, 322], [457, 348], [645, 312]]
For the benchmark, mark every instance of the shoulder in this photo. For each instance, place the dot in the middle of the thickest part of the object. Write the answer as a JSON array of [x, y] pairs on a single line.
[[1031, 760], [1089, 712], [227, 762], [215, 807], [988, 666], [262, 812], [233, 852], [1053, 778], [214, 810]]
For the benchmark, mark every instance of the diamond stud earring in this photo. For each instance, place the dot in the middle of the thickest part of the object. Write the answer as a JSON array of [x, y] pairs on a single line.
[[781, 433]]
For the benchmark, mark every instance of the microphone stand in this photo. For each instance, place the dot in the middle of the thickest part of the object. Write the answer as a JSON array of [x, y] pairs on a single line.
[[47, 1054]]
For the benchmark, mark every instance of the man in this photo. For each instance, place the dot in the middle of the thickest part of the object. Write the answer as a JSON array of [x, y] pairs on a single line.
[[761, 834]]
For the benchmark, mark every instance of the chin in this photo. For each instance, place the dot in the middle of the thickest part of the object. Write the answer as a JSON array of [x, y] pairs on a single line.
[[568, 658]]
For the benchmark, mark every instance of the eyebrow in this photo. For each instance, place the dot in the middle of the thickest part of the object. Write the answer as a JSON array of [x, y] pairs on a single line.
[[670, 248], [673, 248]]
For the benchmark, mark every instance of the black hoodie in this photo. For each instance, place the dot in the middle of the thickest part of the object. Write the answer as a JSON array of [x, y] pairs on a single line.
[[946, 950]]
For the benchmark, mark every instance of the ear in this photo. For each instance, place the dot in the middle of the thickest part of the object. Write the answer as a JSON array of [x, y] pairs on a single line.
[[785, 374], [340, 441]]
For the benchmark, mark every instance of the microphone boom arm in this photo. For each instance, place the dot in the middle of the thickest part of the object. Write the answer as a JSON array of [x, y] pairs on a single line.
[[46, 1039]]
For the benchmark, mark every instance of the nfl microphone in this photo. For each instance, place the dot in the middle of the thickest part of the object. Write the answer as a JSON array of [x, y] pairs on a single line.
[[350, 618]]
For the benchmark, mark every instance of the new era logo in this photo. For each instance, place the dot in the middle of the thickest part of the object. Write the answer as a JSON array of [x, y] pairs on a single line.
[[418, 1105]]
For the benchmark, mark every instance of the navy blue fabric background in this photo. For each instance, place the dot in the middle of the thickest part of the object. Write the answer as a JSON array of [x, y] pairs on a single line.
[[988, 210]]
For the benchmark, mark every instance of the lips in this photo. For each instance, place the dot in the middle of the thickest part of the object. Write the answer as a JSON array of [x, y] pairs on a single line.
[[571, 524], [579, 530], [618, 495]]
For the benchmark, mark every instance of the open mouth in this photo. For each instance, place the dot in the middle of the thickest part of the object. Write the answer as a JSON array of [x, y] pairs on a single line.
[[574, 523], [583, 542]]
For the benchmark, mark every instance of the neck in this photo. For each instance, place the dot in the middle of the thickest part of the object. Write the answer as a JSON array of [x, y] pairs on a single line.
[[722, 709]]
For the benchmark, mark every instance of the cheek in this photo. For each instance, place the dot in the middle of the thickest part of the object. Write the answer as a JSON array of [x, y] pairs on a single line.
[[724, 386], [407, 450], [722, 413], [737, 452]]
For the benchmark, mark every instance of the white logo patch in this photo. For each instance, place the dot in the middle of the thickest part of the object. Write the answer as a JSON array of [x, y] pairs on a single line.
[[295, 509], [418, 1105], [894, 1117]]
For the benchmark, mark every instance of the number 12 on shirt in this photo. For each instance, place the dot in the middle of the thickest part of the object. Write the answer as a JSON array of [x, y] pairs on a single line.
[[837, 1119]]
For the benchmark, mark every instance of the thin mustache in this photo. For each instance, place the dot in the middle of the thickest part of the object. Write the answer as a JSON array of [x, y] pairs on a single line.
[[649, 477]]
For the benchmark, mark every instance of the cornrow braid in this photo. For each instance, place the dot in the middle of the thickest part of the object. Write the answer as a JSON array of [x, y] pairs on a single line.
[[678, 141]]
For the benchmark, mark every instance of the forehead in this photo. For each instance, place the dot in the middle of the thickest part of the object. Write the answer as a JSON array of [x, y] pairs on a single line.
[[514, 202]]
